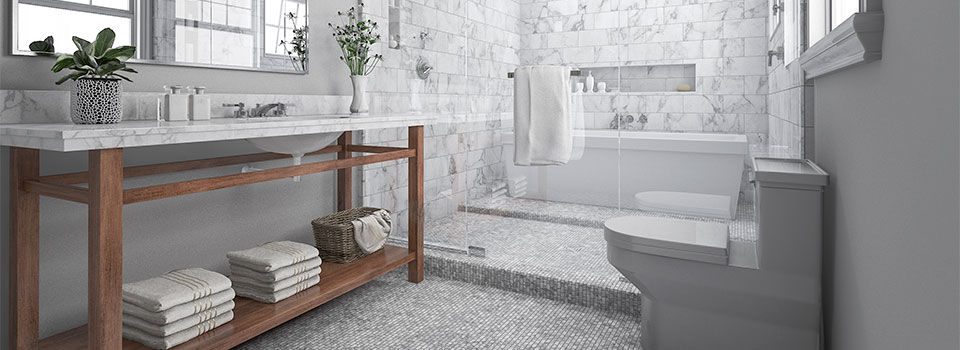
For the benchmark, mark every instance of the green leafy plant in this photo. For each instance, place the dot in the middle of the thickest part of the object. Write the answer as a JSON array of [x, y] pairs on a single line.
[[42, 47], [97, 59], [297, 49], [355, 37]]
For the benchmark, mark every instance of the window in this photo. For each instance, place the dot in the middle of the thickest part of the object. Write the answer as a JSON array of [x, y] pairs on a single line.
[[825, 15], [215, 32], [83, 18]]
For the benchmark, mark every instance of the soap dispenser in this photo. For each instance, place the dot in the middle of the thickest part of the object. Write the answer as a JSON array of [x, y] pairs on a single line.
[[177, 104], [590, 81], [199, 104]]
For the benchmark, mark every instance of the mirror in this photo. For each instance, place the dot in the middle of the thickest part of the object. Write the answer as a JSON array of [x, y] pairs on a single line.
[[262, 35]]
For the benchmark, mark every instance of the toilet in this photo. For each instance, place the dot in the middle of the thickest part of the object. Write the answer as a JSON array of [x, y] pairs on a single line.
[[687, 203], [696, 290]]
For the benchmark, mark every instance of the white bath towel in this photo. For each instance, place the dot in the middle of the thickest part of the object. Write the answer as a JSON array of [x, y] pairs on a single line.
[[174, 288], [180, 311], [371, 231], [277, 296], [166, 329], [274, 255], [278, 274], [271, 287], [543, 129], [177, 338]]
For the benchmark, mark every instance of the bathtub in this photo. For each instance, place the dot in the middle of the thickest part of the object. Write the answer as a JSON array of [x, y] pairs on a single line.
[[684, 173]]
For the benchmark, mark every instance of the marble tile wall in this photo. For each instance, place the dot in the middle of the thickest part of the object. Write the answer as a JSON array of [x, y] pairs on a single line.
[[790, 112], [726, 41], [42, 106]]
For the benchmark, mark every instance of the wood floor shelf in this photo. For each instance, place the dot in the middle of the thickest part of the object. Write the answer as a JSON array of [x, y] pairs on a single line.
[[252, 318], [105, 197]]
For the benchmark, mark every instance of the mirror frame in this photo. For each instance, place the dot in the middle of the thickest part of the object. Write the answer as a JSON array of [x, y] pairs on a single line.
[[13, 39]]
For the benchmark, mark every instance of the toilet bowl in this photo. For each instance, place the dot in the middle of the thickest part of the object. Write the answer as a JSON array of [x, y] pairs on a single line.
[[691, 297], [687, 203]]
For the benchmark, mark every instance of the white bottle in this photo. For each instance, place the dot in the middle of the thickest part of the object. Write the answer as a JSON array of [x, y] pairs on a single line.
[[176, 104], [589, 82], [199, 104]]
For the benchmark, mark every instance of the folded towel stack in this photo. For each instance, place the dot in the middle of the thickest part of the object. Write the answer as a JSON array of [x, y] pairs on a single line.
[[517, 186], [274, 271], [180, 305]]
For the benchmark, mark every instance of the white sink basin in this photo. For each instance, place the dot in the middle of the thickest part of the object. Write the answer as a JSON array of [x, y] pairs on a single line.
[[295, 145]]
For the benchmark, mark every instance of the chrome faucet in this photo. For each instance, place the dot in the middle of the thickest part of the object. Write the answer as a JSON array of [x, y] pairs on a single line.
[[278, 110]]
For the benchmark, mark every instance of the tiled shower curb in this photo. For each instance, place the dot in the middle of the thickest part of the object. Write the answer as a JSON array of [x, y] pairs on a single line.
[[528, 280]]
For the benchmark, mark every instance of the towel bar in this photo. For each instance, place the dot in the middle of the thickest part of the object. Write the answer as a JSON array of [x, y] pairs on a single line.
[[573, 73]]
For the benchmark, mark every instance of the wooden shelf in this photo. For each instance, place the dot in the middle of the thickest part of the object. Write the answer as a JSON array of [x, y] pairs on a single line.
[[252, 318]]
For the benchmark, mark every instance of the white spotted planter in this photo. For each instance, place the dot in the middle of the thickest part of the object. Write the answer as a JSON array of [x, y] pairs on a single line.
[[96, 101]]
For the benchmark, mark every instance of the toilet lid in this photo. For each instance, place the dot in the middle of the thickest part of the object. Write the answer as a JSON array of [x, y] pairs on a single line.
[[683, 239]]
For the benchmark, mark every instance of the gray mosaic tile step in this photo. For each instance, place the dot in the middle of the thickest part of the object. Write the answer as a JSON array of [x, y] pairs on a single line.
[[391, 313], [555, 261]]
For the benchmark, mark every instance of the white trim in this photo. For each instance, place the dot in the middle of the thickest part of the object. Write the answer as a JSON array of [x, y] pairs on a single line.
[[857, 40]]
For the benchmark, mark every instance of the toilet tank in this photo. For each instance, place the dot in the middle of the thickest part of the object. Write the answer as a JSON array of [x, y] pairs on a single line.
[[789, 214]]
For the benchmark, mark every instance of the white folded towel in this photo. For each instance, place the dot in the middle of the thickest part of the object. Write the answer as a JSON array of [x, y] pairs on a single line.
[[278, 274], [277, 296], [371, 231], [174, 288], [177, 338], [274, 255], [543, 129], [271, 287], [180, 311], [163, 330]]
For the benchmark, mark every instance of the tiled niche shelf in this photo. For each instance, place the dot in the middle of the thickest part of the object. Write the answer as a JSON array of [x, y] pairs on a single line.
[[641, 79]]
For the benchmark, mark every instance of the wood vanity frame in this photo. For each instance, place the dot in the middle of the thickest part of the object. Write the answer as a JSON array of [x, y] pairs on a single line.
[[105, 198]]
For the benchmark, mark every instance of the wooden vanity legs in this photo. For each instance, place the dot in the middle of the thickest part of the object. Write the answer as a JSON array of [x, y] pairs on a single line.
[[345, 175], [105, 247], [415, 204], [24, 250]]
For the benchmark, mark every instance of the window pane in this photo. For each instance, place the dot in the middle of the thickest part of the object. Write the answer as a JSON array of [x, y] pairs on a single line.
[[841, 10], [816, 20], [193, 44], [189, 9], [34, 24], [232, 49], [117, 4], [239, 17]]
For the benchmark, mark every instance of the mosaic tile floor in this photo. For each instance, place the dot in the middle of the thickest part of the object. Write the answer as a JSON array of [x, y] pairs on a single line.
[[391, 313]]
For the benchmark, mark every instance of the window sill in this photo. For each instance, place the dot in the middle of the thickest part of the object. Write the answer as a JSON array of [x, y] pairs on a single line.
[[857, 40]]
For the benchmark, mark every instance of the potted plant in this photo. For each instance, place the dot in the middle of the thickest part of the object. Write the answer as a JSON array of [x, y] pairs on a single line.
[[355, 37], [95, 66], [43, 47]]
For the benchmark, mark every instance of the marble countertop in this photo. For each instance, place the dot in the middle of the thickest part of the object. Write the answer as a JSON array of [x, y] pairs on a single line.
[[64, 137]]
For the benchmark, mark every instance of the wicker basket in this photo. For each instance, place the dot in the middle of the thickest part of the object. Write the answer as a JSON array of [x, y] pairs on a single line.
[[335, 237]]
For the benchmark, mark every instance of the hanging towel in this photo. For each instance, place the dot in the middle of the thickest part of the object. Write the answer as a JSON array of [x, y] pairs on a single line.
[[180, 311], [543, 129], [278, 274], [167, 329], [371, 231], [177, 338], [271, 298], [174, 288], [274, 255], [271, 287]]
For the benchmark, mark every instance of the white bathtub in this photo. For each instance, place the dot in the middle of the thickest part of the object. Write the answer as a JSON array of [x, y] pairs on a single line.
[[687, 173]]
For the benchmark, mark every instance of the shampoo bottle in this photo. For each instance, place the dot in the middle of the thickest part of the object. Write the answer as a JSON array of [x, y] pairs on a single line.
[[199, 104], [589, 82], [176, 104]]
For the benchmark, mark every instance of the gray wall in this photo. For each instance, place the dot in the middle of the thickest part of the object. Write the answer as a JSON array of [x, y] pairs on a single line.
[[190, 231], [888, 134]]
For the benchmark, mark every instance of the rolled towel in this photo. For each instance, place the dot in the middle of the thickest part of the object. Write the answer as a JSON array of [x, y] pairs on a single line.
[[180, 311], [271, 298], [174, 288], [176, 338], [371, 231], [277, 275], [272, 256], [167, 329], [272, 287]]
